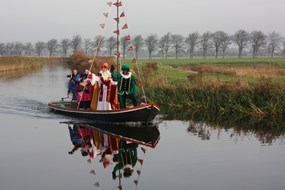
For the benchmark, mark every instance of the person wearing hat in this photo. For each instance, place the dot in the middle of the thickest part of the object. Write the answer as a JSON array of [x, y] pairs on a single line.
[[126, 85]]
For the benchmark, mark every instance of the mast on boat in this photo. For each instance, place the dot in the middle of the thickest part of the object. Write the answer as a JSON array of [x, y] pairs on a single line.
[[118, 37]]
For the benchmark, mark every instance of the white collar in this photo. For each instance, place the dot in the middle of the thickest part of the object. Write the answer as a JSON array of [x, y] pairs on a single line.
[[126, 76]]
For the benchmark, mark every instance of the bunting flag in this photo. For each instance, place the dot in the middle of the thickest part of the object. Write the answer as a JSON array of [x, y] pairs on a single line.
[[118, 43], [118, 54], [93, 172], [134, 61], [97, 184], [123, 14], [125, 27], [89, 161], [109, 4], [118, 4], [143, 149], [120, 187], [128, 37], [102, 26], [136, 182], [139, 172], [117, 20], [131, 48], [106, 14], [140, 161], [120, 176], [117, 32]]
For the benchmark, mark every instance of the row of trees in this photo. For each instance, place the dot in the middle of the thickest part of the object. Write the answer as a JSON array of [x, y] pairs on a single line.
[[195, 44]]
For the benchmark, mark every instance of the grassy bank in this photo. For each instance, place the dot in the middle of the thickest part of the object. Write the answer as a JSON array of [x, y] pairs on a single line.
[[20, 63]]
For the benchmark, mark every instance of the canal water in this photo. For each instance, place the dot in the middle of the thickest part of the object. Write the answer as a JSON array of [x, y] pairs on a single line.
[[183, 155]]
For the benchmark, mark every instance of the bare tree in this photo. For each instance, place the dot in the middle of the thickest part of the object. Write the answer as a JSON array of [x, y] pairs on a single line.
[[274, 40], [164, 44], [177, 44], [52, 46], [226, 40], [2, 49], [192, 41], [138, 43], [124, 42], [10, 48], [99, 43], [39, 48], [217, 41], [283, 48], [257, 40], [151, 44], [111, 44], [241, 39], [76, 43], [28, 48], [65, 45], [87, 44], [19, 47], [206, 43]]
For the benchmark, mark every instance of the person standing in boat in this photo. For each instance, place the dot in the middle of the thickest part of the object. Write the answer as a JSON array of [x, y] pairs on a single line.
[[126, 85], [85, 94], [95, 89], [106, 95], [73, 84]]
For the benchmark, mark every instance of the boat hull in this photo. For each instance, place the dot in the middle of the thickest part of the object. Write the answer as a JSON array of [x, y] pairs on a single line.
[[143, 113]]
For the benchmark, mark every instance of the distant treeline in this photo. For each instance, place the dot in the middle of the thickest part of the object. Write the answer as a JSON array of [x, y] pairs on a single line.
[[241, 43]]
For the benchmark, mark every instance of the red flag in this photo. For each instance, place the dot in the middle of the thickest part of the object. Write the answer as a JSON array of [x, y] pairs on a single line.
[[109, 4], [118, 4], [125, 27], [117, 19], [128, 37], [118, 43], [140, 161], [136, 182], [139, 172], [102, 26], [120, 176], [131, 48], [118, 54], [134, 60], [143, 149], [106, 14], [123, 14], [117, 32]]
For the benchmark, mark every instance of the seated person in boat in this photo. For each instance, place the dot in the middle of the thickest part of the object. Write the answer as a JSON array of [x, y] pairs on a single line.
[[126, 85], [108, 90], [73, 84], [85, 94]]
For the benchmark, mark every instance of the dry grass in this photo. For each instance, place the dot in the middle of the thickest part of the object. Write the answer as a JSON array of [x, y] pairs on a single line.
[[239, 70]]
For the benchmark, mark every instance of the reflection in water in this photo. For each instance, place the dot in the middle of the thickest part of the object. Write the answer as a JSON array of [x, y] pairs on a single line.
[[266, 130], [113, 146]]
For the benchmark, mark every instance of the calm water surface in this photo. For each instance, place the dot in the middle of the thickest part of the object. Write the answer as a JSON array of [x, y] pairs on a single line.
[[34, 149]]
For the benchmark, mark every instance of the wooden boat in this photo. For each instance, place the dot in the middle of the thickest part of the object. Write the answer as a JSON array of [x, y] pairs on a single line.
[[142, 113]]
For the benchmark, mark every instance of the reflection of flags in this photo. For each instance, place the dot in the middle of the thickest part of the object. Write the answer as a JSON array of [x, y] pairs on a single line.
[[106, 14], [102, 26], [118, 4], [117, 19], [123, 14], [128, 37], [143, 149], [136, 182], [110, 4], [140, 161], [139, 172], [97, 184], [125, 27], [117, 32], [93, 172], [120, 187]]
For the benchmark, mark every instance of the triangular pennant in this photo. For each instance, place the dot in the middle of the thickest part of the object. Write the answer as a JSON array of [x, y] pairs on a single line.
[[109, 4], [106, 14], [118, 4], [140, 161], [123, 14], [125, 27], [143, 149], [131, 48], [117, 32], [97, 184], [89, 161], [134, 60], [136, 182], [93, 172], [120, 187], [128, 37], [118, 43], [139, 172], [117, 20], [118, 54], [102, 26], [120, 176]]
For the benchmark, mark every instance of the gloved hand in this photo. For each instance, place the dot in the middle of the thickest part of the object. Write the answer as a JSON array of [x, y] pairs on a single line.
[[112, 68]]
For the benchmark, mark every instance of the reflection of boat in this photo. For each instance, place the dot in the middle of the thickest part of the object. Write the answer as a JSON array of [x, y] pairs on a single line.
[[142, 113]]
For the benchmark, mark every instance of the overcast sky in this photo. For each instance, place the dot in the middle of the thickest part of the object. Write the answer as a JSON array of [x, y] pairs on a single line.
[[34, 20]]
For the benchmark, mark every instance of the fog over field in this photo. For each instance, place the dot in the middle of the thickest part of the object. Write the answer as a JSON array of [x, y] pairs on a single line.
[[33, 20]]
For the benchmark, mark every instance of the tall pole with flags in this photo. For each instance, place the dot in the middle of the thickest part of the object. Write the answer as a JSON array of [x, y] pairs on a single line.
[[118, 37]]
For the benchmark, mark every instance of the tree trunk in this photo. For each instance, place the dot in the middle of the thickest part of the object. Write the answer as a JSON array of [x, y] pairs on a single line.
[[217, 51]]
